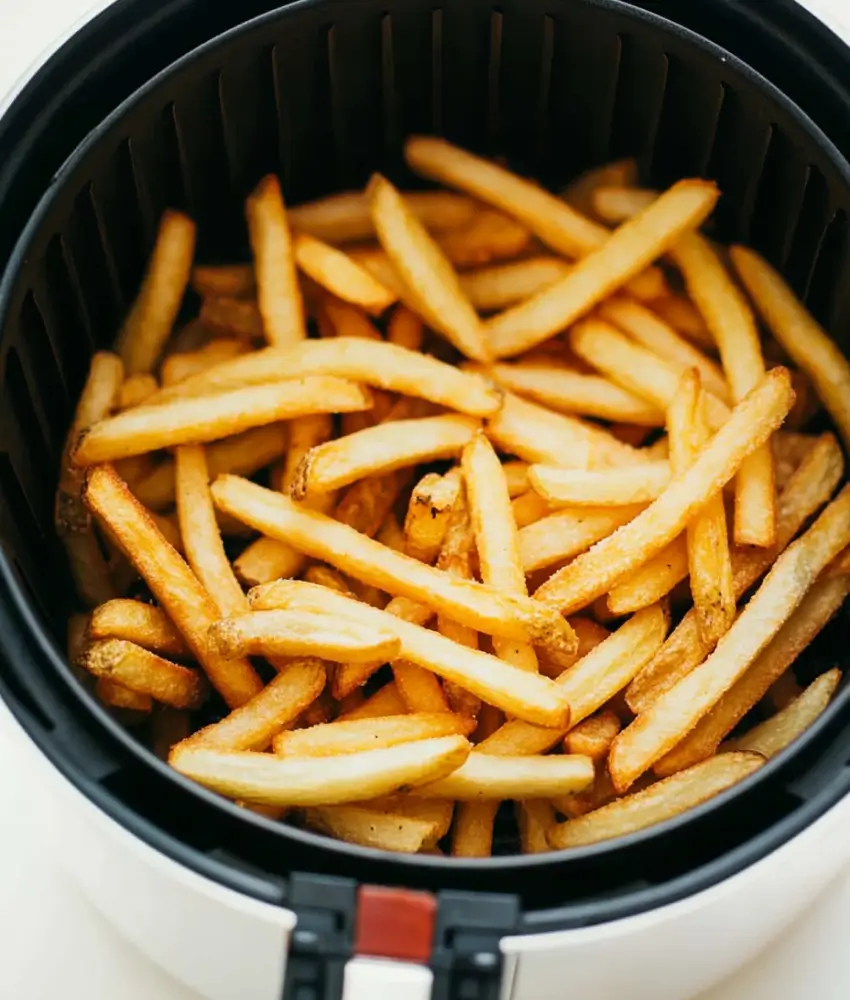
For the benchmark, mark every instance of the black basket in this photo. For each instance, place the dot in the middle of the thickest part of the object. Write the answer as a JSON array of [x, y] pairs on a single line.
[[323, 93]]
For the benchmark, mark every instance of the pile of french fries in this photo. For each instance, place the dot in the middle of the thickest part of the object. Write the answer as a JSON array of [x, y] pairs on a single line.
[[457, 497]]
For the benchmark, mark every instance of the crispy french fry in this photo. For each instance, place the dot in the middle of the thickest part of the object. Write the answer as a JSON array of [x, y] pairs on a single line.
[[808, 489], [112, 693], [472, 835], [817, 608], [648, 285], [490, 236], [386, 701], [365, 505], [590, 634], [340, 274], [384, 831], [391, 534], [592, 574], [353, 736], [429, 513], [235, 281], [144, 672], [566, 533], [659, 802], [211, 418], [579, 193], [733, 326], [312, 781], [483, 776], [236, 317], [278, 292], [151, 317], [72, 519], [639, 484], [806, 342], [136, 389], [653, 581], [405, 329], [709, 559], [170, 580], [429, 278], [177, 367], [324, 576], [345, 218], [381, 449], [139, 623], [518, 692], [623, 255], [529, 507], [535, 818], [568, 391], [593, 736], [680, 313], [516, 477], [502, 285], [616, 203], [675, 713]]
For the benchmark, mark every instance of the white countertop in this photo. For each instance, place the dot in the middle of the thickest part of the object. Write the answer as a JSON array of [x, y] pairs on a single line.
[[55, 944]]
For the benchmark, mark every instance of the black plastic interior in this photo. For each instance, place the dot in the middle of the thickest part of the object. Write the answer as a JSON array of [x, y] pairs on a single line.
[[324, 92]]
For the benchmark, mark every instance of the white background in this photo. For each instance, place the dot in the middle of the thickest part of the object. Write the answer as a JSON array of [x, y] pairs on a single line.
[[52, 943]]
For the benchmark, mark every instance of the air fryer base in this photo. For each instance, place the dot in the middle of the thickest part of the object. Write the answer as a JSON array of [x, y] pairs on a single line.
[[227, 946]]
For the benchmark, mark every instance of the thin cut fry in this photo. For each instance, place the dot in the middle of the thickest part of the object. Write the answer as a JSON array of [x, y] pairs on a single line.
[[579, 193], [680, 313], [202, 419], [236, 317], [180, 366], [593, 737], [405, 329], [139, 623], [112, 693], [392, 535], [594, 487], [616, 203], [516, 476], [490, 236], [529, 507], [625, 253], [340, 274], [315, 781], [653, 581], [386, 701], [383, 831], [674, 714], [659, 802], [365, 505], [535, 818], [502, 285], [170, 580], [590, 634], [472, 834], [806, 342], [278, 292], [235, 281], [566, 533], [429, 513], [428, 276], [136, 389], [353, 736], [151, 318], [592, 574], [485, 777], [144, 672]]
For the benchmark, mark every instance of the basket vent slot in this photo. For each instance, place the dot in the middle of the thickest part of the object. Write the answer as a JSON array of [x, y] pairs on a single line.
[[48, 393], [814, 218], [779, 199], [64, 317], [86, 254], [638, 101]]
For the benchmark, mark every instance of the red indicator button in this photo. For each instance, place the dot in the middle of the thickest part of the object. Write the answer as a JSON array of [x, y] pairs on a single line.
[[394, 923]]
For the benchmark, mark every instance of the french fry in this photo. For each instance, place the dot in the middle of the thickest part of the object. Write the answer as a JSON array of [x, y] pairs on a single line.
[[278, 292], [588, 685], [235, 317], [135, 390], [733, 326], [490, 236], [752, 421], [501, 285], [151, 317], [233, 281], [648, 285], [579, 193], [391, 534], [324, 576], [472, 835], [816, 610], [593, 736], [429, 513], [315, 781], [554, 221], [529, 507], [112, 693], [483, 777], [652, 581], [420, 690], [340, 274], [566, 533], [709, 560], [365, 505], [203, 419], [72, 519], [679, 312], [426, 273], [782, 692], [381, 449], [808, 345], [177, 367], [170, 580], [138, 623], [383, 831], [675, 713], [778, 732], [808, 489], [345, 218], [659, 802], [535, 818], [144, 672], [386, 701], [568, 391], [623, 255], [516, 477], [639, 484], [518, 692], [590, 634], [616, 203], [405, 329], [354, 736]]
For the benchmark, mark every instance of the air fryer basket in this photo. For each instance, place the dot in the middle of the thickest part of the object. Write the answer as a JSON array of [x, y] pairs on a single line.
[[323, 92]]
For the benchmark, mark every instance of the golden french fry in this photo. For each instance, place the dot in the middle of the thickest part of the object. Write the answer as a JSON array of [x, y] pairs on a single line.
[[405, 329], [653, 581], [590, 634], [386, 701], [592, 574], [233, 281], [808, 489], [623, 255], [135, 390], [516, 476], [368, 827], [177, 367], [381, 449], [139, 623], [170, 580], [365, 505], [518, 692], [483, 776], [490, 236], [345, 217], [324, 576], [391, 534], [639, 484], [237, 317], [315, 781], [431, 282], [429, 513], [659, 802], [278, 292], [353, 736], [733, 326], [340, 274], [579, 193], [648, 285], [568, 391], [680, 313], [615, 203], [73, 521], [529, 507], [807, 343], [709, 559], [112, 693], [211, 418], [535, 818], [593, 736], [150, 320], [817, 608], [675, 713], [501, 285], [566, 533], [145, 672], [472, 835]]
